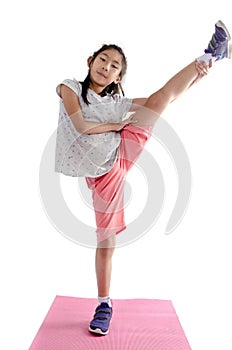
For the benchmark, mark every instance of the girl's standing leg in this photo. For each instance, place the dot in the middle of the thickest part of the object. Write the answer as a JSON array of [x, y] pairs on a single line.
[[103, 265], [103, 312]]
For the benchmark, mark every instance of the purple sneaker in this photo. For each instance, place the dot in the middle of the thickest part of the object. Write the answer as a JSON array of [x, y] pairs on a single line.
[[220, 45], [101, 320]]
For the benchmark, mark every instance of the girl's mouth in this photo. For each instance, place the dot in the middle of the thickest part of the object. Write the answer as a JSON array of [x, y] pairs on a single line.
[[101, 74]]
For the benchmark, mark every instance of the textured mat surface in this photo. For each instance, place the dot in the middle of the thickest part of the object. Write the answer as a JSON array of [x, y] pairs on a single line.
[[137, 324]]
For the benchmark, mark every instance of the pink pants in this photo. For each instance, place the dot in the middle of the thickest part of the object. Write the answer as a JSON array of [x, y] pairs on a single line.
[[108, 189]]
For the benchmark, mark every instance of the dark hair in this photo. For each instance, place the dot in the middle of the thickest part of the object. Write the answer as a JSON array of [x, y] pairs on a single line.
[[112, 88]]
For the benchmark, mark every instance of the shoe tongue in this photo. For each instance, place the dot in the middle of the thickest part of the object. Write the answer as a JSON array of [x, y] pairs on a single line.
[[104, 305]]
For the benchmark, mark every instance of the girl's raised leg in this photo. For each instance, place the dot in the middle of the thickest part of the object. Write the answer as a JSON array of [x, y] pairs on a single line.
[[159, 101], [219, 47]]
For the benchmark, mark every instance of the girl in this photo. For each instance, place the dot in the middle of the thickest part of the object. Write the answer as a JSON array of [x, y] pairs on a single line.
[[96, 140]]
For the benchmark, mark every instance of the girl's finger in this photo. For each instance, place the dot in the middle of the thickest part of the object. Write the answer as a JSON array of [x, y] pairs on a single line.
[[202, 68]]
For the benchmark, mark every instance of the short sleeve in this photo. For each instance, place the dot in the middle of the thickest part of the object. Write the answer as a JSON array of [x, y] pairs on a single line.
[[72, 84], [123, 104]]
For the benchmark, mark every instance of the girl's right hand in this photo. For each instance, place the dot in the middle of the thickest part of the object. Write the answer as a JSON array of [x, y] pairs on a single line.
[[123, 123]]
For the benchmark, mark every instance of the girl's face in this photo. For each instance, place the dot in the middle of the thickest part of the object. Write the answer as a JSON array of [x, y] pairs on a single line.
[[105, 69]]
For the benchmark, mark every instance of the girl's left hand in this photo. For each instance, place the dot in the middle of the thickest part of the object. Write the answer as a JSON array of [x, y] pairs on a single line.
[[202, 67]]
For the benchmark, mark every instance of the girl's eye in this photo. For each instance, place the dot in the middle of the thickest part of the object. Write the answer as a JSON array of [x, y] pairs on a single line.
[[114, 66], [103, 59]]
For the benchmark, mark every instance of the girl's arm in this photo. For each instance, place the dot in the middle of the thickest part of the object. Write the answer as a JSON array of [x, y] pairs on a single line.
[[83, 126]]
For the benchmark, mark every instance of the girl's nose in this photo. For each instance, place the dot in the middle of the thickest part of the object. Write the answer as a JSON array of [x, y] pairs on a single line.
[[106, 67]]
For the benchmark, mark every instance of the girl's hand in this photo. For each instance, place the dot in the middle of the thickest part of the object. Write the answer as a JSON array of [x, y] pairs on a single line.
[[202, 68], [123, 123]]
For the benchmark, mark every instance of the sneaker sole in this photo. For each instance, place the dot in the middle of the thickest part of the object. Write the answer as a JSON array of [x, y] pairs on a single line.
[[222, 25], [98, 331], [229, 50]]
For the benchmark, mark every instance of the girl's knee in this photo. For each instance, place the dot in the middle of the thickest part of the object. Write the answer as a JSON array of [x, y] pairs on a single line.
[[108, 243], [158, 101]]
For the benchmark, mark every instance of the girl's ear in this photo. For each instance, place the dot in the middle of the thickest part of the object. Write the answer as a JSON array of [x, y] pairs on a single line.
[[89, 61], [117, 80]]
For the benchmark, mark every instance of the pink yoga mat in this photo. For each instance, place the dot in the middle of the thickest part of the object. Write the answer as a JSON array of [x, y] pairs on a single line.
[[137, 324]]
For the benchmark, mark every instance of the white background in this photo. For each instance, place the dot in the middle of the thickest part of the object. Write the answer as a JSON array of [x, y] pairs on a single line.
[[43, 43]]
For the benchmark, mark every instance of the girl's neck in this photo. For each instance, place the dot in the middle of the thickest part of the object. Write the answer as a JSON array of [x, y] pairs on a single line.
[[96, 88]]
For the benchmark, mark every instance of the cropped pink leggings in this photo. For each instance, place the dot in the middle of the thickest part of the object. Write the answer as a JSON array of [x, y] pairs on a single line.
[[108, 189]]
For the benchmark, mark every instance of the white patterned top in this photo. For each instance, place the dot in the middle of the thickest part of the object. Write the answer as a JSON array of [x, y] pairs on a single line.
[[89, 155]]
